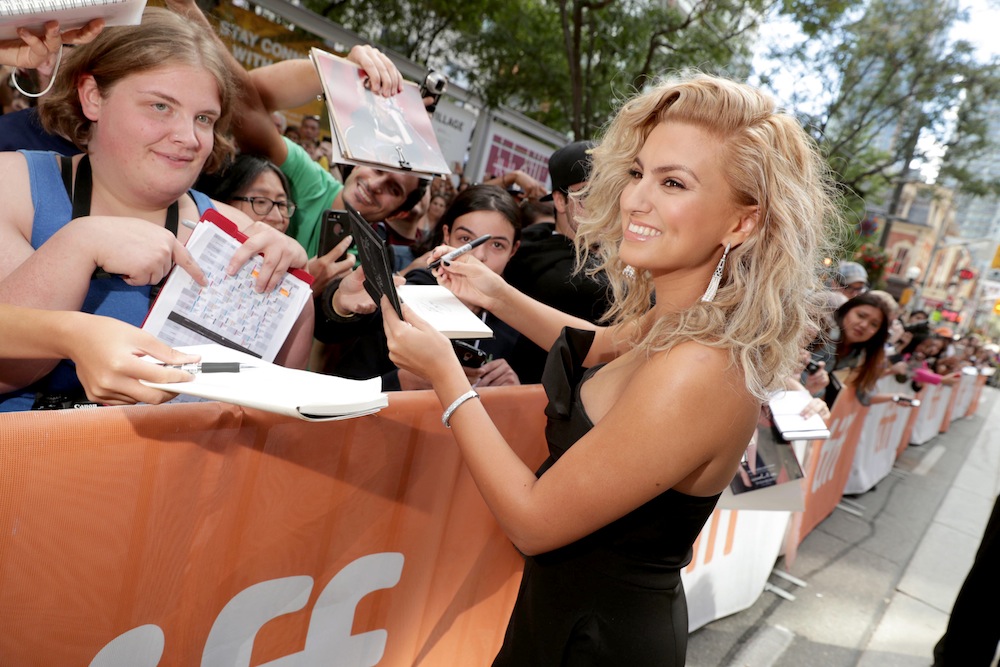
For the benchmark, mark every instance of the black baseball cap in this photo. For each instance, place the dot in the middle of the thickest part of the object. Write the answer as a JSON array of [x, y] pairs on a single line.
[[569, 165]]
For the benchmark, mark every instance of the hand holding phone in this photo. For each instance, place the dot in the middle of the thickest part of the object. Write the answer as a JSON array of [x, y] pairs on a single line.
[[333, 230]]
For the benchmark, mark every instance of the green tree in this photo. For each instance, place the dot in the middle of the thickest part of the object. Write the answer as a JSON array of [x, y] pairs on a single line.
[[892, 82], [565, 63]]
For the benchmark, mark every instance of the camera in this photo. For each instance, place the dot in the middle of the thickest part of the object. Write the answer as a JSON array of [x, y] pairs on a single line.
[[906, 400], [434, 85]]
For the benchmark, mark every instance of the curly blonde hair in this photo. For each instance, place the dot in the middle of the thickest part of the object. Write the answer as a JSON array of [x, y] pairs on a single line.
[[771, 291], [162, 39]]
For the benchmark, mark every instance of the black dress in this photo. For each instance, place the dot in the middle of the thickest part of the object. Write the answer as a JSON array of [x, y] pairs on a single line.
[[615, 597]]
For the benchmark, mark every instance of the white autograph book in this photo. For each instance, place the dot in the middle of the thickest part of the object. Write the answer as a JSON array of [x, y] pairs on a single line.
[[443, 310], [228, 311], [785, 408], [287, 391], [33, 14]]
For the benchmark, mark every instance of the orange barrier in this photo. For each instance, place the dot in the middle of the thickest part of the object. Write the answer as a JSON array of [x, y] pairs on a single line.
[[208, 534], [827, 466]]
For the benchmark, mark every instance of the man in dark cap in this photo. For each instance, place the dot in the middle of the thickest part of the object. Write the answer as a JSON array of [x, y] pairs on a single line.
[[543, 266]]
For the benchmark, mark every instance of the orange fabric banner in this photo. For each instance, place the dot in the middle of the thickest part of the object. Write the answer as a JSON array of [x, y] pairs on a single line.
[[208, 534], [827, 467]]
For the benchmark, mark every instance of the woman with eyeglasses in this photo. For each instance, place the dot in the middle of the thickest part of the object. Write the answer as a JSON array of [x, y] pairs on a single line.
[[259, 188], [254, 185], [150, 106]]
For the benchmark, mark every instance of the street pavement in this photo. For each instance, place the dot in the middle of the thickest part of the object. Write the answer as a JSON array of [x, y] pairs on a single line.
[[880, 574]]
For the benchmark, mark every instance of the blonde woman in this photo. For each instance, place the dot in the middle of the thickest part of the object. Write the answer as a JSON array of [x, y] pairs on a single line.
[[709, 203]]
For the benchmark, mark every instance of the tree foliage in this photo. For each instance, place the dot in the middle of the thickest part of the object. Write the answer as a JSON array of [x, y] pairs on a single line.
[[893, 82], [565, 63]]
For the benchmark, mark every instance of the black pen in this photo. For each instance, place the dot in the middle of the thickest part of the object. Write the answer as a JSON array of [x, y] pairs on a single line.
[[211, 367], [449, 257]]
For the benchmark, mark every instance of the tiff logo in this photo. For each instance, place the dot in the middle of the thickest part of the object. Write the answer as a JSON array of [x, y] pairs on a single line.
[[329, 642]]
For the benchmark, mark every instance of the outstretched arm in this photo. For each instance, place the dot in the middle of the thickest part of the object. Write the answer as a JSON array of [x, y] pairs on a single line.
[[475, 283], [646, 438], [106, 351], [286, 84]]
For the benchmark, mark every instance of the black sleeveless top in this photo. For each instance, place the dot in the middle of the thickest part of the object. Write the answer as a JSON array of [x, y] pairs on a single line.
[[614, 597]]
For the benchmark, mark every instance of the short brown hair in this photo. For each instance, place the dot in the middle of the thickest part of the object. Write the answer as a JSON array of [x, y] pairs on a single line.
[[163, 38]]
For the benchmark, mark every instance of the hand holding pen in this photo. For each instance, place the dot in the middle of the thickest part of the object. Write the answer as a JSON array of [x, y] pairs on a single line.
[[450, 257]]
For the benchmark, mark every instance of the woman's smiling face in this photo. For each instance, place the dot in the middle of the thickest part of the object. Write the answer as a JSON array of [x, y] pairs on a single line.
[[678, 210]]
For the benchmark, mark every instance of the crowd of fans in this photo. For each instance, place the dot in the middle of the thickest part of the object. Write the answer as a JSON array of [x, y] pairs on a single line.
[[169, 83], [870, 336], [285, 179]]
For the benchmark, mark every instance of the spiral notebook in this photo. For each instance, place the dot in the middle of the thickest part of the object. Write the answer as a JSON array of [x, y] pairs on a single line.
[[33, 14]]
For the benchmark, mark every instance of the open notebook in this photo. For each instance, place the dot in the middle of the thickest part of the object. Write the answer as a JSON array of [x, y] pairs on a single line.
[[33, 14], [287, 391]]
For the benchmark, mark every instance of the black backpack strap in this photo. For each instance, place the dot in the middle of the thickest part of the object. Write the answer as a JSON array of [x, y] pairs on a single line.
[[66, 167]]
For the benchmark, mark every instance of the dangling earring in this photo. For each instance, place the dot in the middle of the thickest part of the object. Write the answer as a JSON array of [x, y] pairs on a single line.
[[628, 272], [713, 285]]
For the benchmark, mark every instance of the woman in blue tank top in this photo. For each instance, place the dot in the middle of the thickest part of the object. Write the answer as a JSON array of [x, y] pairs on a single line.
[[150, 107]]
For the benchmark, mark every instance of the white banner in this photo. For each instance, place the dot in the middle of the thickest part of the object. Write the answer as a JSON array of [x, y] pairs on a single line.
[[991, 288], [508, 149], [453, 126], [880, 436], [733, 558]]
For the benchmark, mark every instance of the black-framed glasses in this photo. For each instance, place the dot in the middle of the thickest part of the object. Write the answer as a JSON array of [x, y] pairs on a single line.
[[262, 205]]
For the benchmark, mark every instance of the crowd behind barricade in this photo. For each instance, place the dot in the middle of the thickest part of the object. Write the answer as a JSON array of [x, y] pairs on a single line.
[[280, 175], [143, 114], [871, 336]]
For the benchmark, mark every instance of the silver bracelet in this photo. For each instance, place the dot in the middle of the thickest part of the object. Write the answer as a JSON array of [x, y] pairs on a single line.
[[446, 417]]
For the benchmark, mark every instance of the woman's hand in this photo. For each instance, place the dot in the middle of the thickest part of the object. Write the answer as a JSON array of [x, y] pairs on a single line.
[[329, 267], [140, 252], [280, 252], [417, 347], [816, 382], [32, 51], [816, 406], [107, 354], [469, 279], [383, 77]]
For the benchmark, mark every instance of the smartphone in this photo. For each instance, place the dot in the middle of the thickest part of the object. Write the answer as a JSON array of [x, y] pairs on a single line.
[[468, 355], [334, 228]]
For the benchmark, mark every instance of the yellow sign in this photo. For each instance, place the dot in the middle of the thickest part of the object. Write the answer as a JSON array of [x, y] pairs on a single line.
[[996, 308], [996, 259]]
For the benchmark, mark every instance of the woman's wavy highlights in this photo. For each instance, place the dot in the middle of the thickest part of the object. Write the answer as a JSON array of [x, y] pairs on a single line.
[[771, 289]]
